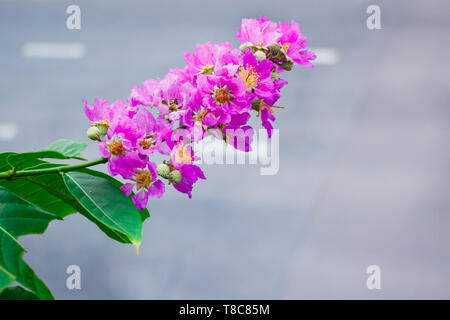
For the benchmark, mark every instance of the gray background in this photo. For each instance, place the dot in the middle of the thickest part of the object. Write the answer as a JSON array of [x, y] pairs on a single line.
[[364, 172]]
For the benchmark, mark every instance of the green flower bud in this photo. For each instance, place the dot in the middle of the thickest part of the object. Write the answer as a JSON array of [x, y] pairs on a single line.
[[256, 104], [100, 133], [245, 46], [260, 55], [273, 49], [175, 176], [103, 128], [94, 133], [281, 55], [287, 65], [275, 75], [163, 170]]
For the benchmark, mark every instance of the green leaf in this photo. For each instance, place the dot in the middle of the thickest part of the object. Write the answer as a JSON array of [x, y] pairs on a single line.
[[55, 185], [17, 293], [144, 213], [11, 261], [6, 278], [47, 192], [28, 160], [50, 193], [18, 217], [60, 149], [68, 148], [107, 204]]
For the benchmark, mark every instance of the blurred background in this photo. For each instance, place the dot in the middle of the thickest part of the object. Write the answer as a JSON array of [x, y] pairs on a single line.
[[364, 152]]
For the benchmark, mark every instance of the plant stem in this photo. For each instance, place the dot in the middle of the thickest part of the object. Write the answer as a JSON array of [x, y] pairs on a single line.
[[24, 173]]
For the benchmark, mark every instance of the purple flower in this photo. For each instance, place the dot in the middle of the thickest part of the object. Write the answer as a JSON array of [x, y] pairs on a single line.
[[238, 134], [209, 58], [293, 42], [144, 176], [259, 31], [265, 111], [262, 33], [222, 97], [266, 115], [99, 111], [171, 95], [182, 154], [257, 77], [182, 158], [151, 133], [143, 96], [114, 150], [212, 94], [189, 175]]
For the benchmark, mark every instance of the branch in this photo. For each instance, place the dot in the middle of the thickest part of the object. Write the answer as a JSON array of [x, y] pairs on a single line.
[[24, 173]]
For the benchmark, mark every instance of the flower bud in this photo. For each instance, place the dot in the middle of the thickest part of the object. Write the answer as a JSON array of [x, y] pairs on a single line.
[[273, 49], [94, 133], [281, 55], [287, 65], [245, 46], [103, 129], [175, 176], [256, 104], [260, 55], [163, 170], [275, 75]]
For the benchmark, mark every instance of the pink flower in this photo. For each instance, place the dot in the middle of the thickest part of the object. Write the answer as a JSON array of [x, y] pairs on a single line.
[[144, 176], [99, 111], [171, 95], [238, 134], [293, 42], [122, 134], [222, 97], [114, 149], [182, 158], [143, 96], [151, 133], [209, 58], [213, 94], [182, 154], [102, 113], [262, 32], [266, 115], [257, 77], [259, 31], [189, 175]]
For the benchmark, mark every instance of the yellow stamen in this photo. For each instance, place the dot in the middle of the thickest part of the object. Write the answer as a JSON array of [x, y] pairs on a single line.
[[116, 148], [250, 77], [183, 154], [201, 115], [207, 69], [222, 95], [146, 143], [101, 123], [286, 47], [143, 179]]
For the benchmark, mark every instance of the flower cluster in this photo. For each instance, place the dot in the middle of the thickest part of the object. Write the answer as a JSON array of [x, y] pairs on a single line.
[[212, 95]]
